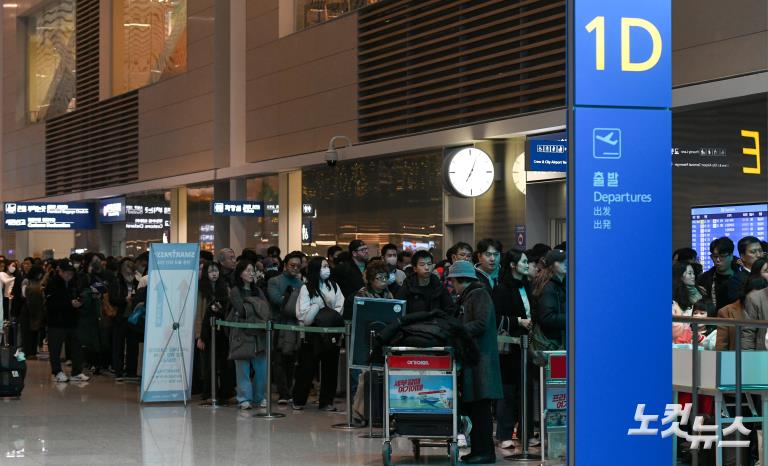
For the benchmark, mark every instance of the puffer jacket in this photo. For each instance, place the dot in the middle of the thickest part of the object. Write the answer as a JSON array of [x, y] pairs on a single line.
[[247, 309]]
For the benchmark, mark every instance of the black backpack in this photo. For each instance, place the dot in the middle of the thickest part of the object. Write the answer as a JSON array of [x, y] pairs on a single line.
[[326, 317]]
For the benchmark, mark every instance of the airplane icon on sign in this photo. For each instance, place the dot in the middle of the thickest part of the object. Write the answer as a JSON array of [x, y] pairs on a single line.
[[606, 143], [608, 139]]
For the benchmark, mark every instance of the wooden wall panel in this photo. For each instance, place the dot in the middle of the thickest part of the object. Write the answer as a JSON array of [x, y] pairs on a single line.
[[427, 65]]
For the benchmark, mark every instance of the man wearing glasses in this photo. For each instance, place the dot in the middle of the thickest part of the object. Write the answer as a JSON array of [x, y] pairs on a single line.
[[715, 280], [349, 275], [750, 250]]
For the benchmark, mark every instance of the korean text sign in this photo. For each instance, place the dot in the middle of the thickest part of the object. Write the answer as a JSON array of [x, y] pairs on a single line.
[[619, 197]]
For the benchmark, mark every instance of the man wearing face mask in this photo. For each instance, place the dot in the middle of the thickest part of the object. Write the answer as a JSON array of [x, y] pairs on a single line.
[[125, 344], [349, 275], [396, 276], [423, 290]]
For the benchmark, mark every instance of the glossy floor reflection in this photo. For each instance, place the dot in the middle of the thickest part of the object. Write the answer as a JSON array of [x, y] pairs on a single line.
[[101, 422]]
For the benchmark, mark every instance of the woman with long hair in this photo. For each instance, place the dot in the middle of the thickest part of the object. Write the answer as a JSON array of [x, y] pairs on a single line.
[[213, 301], [317, 301], [684, 290], [550, 311], [512, 300], [247, 347]]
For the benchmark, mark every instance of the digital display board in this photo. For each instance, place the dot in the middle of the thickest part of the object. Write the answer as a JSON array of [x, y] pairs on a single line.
[[238, 208], [112, 210], [48, 216], [734, 221]]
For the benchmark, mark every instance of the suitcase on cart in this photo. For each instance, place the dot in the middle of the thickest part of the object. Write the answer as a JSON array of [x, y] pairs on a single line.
[[12, 371]]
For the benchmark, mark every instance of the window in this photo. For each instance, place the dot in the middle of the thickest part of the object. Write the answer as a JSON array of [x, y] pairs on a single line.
[[147, 221], [200, 227], [395, 200], [51, 61], [263, 232], [313, 12], [149, 42]]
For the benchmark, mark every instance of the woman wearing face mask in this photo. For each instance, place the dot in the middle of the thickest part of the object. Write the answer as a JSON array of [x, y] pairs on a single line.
[[213, 301], [317, 298], [8, 277], [512, 300], [549, 311], [247, 347]]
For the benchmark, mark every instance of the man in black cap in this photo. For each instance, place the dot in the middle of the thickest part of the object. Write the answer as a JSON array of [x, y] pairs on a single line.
[[63, 302]]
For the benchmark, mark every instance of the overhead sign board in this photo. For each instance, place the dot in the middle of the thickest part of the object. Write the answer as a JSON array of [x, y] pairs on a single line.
[[112, 210], [48, 216], [238, 208]]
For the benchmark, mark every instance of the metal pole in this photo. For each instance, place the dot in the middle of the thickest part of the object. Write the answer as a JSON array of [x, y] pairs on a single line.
[[348, 354], [370, 433], [738, 388], [212, 349], [524, 456], [269, 414], [695, 383]]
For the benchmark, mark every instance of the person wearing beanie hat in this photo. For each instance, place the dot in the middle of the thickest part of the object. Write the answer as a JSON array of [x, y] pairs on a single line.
[[549, 292], [481, 382]]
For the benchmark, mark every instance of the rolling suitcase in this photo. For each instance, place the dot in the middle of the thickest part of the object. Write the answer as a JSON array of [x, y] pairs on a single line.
[[12, 371]]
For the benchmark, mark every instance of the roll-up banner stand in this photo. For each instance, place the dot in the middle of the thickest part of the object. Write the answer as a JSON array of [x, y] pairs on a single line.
[[170, 318], [619, 206]]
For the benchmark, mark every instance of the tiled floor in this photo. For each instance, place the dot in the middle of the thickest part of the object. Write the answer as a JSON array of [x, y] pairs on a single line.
[[102, 423]]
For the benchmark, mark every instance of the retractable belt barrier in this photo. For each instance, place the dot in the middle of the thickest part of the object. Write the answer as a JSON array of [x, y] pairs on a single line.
[[270, 327]]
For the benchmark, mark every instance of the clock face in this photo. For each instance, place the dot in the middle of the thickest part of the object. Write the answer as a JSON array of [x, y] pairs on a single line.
[[470, 172], [518, 173]]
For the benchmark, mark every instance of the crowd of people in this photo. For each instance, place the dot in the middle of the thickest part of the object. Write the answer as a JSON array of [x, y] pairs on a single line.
[[735, 287], [85, 308]]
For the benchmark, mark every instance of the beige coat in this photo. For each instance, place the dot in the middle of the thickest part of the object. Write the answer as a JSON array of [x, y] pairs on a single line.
[[755, 308]]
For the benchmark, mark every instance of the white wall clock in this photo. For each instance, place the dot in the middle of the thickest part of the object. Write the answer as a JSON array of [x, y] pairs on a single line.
[[468, 172]]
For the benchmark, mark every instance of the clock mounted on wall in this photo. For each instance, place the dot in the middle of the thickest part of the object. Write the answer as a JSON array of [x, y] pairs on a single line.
[[468, 172]]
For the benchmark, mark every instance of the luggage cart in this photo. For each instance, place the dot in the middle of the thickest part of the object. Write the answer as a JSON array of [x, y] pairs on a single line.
[[421, 398]]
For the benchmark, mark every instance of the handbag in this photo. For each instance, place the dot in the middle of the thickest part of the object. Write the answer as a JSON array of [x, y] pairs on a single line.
[[107, 309], [541, 342], [241, 346], [502, 331]]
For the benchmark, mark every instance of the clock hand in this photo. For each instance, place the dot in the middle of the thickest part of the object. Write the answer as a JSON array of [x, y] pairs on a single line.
[[473, 168]]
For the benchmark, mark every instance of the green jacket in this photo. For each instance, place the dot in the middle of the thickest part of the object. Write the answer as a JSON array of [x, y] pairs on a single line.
[[483, 380]]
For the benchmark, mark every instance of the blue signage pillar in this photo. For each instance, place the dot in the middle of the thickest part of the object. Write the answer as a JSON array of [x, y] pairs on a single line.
[[620, 188]]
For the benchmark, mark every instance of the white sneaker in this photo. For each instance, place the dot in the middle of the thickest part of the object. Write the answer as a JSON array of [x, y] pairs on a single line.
[[61, 377], [80, 378], [263, 404], [245, 405], [534, 442], [461, 440]]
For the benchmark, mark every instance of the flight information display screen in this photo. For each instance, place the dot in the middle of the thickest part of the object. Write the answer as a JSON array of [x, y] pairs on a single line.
[[734, 221]]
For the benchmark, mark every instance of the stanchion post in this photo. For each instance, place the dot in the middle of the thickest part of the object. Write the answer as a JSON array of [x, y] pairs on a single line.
[[269, 414], [695, 384], [212, 350], [370, 433], [525, 455], [348, 353]]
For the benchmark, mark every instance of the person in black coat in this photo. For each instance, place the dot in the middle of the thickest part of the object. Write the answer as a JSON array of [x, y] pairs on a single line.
[[423, 291], [512, 301], [550, 309], [349, 275], [214, 298], [63, 304], [125, 343]]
